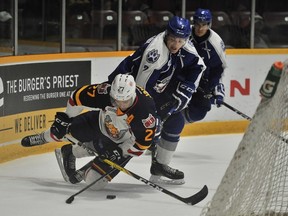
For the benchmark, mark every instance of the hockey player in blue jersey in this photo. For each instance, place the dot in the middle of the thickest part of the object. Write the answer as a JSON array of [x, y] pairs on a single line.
[[169, 68], [211, 48]]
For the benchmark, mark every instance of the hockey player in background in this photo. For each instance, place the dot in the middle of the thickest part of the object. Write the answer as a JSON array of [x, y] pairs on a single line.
[[169, 68], [211, 48], [121, 126]]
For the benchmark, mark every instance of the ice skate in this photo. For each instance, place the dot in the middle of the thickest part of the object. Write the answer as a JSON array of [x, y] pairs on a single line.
[[33, 140], [161, 173], [66, 161]]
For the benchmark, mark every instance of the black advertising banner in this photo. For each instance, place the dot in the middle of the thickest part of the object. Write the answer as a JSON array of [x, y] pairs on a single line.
[[37, 86]]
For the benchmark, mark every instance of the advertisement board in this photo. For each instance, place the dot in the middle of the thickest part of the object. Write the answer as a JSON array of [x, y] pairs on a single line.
[[31, 92], [37, 86]]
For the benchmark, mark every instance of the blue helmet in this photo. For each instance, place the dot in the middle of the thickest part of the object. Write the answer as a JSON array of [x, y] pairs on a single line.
[[202, 15], [179, 27]]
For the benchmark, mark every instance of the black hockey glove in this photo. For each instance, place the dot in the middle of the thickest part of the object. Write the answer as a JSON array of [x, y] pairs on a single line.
[[218, 95], [183, 95], [114, 155], [61, 124]]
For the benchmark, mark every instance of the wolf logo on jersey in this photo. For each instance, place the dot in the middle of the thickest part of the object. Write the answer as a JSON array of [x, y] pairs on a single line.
[[152, 56]]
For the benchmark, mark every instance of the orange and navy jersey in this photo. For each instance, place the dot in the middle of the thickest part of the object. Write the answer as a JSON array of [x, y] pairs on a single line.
[[92, 96], [141, 116]]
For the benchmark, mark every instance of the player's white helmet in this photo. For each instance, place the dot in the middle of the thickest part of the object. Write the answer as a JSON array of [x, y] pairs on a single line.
[[123, 88]]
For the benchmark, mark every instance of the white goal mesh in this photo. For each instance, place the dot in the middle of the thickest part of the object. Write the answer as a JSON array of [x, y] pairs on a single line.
[[256, 180]]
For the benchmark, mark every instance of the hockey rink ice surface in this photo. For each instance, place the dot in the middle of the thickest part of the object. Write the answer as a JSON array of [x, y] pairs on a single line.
[[33, 186]]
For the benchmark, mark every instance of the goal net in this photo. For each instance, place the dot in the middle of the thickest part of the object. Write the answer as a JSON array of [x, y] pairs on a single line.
[[256, 180]]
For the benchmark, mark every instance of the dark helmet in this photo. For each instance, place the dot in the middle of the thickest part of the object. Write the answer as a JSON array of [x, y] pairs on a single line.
[[202, 15], [179, 27]]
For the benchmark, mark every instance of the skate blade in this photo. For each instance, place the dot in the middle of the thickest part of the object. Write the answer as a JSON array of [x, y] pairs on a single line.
[[60, 163], [162, 180]]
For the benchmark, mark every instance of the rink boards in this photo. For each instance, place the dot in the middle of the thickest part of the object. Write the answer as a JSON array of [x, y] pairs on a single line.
[[34, 87]]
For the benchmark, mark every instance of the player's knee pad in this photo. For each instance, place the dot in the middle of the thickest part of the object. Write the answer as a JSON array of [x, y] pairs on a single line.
[[173, 127], [92, 175], [174, 124]]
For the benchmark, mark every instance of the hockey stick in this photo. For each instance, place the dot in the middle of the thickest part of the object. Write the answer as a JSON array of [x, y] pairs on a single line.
[[192, 200], [242, 114], [249, 118], [168, 115], [71, 198], [236, 111], [210, 95]]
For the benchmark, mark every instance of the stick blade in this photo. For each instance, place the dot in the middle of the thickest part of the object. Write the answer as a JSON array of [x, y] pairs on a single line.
[[70, 200], [198, 197]]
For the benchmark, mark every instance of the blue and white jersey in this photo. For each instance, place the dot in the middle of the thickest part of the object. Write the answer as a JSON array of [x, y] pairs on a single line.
[[212, 50], [158, 71]]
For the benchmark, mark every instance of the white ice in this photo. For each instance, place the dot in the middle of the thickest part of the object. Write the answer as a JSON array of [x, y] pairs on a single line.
[[33, 186]]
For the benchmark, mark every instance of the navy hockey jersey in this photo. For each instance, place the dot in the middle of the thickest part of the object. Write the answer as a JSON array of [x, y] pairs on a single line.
[[212, 50], [158, 71], [139, 120]]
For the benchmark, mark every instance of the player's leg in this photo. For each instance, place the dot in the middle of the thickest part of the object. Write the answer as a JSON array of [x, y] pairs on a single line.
[[78, 122], [66, 158], [84, 127], [99, 168], [59, 128], [37, 139], [165, 149], [197, 108]]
